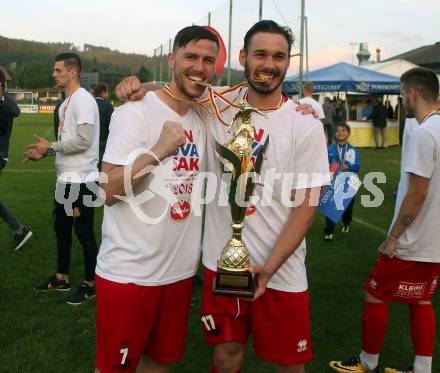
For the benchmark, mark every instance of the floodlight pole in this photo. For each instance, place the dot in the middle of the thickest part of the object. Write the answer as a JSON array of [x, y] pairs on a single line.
[[169, 52], [307, 49], [260, 12], [154, 65], [209, 19], [161, 63], [301, 52], [229, 43]]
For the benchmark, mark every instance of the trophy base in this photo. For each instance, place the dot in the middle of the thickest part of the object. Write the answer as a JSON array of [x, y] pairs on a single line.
[[237, 284]]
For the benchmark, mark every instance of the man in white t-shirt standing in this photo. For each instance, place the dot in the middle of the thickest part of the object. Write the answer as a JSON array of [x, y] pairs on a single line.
[[76, 159], [151, 234], [409, 265], [309, 88], [295, 166]]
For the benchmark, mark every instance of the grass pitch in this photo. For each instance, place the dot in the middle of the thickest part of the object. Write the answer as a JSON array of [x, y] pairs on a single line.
[[40, 333]]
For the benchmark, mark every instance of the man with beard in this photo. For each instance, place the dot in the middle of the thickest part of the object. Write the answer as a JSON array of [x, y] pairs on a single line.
[[76, 158], [151, 239], [274, 230], [408, 267]]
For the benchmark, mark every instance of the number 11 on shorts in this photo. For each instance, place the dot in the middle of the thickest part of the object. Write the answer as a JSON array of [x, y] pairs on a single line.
[[208, 321]]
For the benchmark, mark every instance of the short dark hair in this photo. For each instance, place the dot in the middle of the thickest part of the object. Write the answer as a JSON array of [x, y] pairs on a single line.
[[2, 79], [193, 33], [270, 27], [71, 60], [99, 89], [345, 125], [422, 80]]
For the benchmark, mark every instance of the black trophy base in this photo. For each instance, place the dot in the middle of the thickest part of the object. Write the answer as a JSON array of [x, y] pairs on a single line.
[[237, 284]]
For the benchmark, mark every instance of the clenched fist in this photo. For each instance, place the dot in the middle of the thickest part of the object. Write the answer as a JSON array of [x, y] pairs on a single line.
[[171, 138], [130, 88]]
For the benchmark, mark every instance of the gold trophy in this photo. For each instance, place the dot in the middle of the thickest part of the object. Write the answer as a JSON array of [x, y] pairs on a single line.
[[233, 276]]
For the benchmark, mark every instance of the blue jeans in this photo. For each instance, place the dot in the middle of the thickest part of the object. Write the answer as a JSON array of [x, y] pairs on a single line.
[[5, 213]]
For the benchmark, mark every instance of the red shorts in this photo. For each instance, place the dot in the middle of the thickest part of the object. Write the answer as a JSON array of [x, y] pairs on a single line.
[[132, 319], [402, 281], [279, 322]]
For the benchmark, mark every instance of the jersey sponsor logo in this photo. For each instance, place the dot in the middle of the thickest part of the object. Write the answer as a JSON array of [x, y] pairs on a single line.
[[410, 289], [180, 210], [187, 157], [256, 145], [373, 284], [186, 167], [433, 285], [302, 345], [251, 210]]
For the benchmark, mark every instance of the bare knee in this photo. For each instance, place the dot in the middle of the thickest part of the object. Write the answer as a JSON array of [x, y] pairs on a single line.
[[290, 368], [149, 365], [424, 302], [228, 357]]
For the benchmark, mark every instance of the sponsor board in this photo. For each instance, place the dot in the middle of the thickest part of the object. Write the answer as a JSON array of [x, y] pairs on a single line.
[[28, 109], [46, 108]]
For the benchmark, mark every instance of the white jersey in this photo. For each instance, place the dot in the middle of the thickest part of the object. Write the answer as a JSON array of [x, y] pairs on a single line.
[[296, 146], [315, 104], [421, 156], [79, 108], [153, 238], [410, 124]]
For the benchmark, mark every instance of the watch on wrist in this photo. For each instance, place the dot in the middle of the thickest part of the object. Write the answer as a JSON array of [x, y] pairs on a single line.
[[50, 150]]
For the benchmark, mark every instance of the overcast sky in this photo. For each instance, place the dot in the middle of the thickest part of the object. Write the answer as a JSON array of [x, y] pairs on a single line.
[[142, 25]]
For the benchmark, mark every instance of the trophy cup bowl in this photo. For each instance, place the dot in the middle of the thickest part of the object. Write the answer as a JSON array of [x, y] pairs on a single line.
[[233, 276]]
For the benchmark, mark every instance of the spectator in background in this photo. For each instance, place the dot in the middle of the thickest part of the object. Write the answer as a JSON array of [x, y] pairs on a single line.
[[400, 116], [340, 112], [348, 158], [56, 117], [308, 99], [329, 120], [8, 111], [367, 110], [76, 154], [105, 113], [390, 111], [379, 120]]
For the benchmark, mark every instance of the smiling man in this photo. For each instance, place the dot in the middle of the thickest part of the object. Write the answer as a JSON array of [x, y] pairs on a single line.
[[150, 251], [296, 163]]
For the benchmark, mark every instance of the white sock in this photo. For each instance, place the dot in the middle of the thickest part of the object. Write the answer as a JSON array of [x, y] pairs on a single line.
[[423, 364], [369, 360]]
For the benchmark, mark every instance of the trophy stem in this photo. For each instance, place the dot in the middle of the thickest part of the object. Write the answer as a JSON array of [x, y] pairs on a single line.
[[236, 231]]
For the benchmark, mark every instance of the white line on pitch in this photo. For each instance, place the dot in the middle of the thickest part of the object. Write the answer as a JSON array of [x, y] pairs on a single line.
[[377, 229]]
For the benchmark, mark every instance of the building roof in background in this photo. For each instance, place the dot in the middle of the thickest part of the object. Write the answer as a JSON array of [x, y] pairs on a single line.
[[428, 54]]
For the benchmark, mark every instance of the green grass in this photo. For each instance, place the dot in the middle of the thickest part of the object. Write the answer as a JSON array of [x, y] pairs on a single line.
[[41, 333]]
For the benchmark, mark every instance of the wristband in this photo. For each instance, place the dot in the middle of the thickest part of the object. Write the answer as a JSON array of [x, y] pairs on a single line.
[[392, 235]]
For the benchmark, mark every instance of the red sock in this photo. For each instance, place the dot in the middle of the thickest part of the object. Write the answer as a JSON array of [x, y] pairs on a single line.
[[215, 370], [374, 326], [422, 321]]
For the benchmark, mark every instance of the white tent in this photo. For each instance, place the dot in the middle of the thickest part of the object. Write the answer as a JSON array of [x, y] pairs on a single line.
[[394, 67]]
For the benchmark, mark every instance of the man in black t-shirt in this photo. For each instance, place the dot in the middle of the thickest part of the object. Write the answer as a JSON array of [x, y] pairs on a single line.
[[105, 113], [8, 111]]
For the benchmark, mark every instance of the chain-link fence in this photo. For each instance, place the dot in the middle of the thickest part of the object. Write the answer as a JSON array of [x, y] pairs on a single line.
[[244, 14]]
